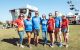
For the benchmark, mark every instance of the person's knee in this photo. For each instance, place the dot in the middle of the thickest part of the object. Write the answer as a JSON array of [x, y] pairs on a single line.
[[66, 37], [29, 36], [52, 34], [36, 35]]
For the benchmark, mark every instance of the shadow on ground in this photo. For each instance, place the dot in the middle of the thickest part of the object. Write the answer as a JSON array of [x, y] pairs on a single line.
[[14, 40]]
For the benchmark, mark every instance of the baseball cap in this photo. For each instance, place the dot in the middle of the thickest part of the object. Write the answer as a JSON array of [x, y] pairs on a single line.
[[50, 14]]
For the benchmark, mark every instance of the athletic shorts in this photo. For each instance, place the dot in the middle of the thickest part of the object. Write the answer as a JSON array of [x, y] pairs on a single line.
[[50, 31], [36, 32], [64, 30], [58, 31], [28, 31]]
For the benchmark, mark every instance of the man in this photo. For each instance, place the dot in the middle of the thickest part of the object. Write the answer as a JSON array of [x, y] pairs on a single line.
[[58, 22], [36, 27]]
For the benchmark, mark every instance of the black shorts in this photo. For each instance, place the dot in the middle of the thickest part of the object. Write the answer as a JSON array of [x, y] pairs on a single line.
[[50, 31], [36, 32], [28, 31]]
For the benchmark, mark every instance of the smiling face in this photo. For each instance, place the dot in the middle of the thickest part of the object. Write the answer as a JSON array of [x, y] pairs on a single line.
[[21, 17], [50, 15], [44, 16], [36, 14], [63, 17]]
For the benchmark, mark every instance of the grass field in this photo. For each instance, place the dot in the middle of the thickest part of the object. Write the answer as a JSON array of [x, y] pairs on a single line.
[[8, 37]]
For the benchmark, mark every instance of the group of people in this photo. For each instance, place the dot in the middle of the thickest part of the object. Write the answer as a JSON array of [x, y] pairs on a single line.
[[55, 26]]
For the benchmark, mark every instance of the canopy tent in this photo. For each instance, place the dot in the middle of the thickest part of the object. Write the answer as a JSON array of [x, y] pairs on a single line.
[[25, 10], [70, 14]]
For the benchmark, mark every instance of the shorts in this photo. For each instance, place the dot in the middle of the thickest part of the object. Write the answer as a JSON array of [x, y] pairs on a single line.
[[28, 31], [64, 30], [36, 32], [50, 31], [57, 30]]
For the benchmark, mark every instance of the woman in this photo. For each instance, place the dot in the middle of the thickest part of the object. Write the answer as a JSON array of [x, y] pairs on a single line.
[[65, 30], [51, 27], [20, 28], [28, 29], [44, 29]]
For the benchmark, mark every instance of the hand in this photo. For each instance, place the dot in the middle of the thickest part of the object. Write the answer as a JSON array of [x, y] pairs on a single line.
[[68, 30], [53, 31], [59, 29]]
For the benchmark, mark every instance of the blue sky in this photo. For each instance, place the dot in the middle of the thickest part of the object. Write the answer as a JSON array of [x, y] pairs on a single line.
[[45, 6]]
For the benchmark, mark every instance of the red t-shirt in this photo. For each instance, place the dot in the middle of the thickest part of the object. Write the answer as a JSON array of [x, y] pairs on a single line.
[[51, 23], [65, 23], [20, 23]]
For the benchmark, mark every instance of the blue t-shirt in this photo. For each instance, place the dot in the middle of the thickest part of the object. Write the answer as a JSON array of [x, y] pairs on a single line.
[[28, 25], [58, 20], [36, 22], [44, 24]]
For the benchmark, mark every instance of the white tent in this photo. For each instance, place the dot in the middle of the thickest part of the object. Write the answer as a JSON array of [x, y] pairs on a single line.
[[32, 7], [25, 10], [60, 14], [70, 14]]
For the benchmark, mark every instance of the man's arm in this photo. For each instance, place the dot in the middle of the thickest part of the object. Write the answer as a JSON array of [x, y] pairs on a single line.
[[60, 23], [68, 25]]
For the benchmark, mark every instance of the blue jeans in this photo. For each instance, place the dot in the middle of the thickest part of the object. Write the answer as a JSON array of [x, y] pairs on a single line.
[[44, 35], [21, 35]]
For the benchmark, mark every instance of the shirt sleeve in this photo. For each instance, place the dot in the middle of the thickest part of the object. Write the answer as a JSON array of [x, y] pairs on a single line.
[[67, 22], [40, 20], [24, 22], [60, 21], [32, 20], [53, 22]]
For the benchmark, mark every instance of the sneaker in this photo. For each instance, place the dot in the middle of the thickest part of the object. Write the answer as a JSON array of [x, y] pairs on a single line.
[[60, 45], [21, 46], [51, 45], [29, 46], [17, 44], [36, 44], [66, 46], [44, 45]]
